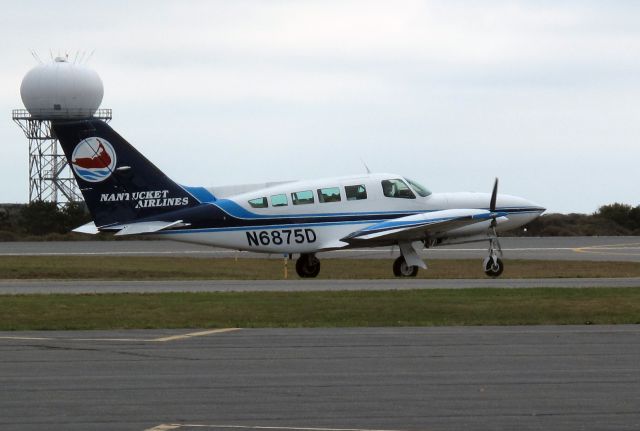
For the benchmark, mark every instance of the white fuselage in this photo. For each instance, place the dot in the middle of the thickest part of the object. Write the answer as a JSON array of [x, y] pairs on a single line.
[[311, 216]]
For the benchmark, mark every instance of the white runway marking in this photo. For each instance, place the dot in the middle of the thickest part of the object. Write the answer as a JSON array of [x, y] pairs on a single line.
[[139, 340], [594, 248], [186, 252], [119, 253], [230, 252], [165, 427]]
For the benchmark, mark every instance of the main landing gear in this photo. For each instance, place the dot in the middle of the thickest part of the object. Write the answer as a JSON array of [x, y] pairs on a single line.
[[408, 263], [308, 266], [402, 269]]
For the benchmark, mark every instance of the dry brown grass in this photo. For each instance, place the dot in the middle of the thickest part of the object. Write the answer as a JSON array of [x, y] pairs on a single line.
[[162, 268]]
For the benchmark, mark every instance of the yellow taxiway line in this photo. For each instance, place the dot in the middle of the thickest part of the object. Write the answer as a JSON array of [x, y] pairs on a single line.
[[143, 340], [609, 249], [194, 334]]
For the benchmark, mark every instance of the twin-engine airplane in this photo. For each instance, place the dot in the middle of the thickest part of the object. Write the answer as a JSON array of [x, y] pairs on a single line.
[[128, 195]]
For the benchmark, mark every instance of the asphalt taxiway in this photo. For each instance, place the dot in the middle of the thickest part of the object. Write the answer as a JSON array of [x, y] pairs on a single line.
[[471, 378], [548, 248], [525, 378], [556, 248], [26, 287]]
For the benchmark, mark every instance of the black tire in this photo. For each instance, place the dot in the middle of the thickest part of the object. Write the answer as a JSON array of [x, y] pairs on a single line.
[[401, 269], [491, 269], [308, 266]]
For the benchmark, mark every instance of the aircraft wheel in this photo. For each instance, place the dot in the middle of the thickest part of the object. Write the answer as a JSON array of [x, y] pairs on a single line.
[[308, 266], [401, 269], [493, 267]]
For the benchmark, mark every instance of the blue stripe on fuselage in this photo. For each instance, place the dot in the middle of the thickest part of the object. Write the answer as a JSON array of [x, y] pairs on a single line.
[[263, 227], [201, 194], [309, 220], [235, 210]]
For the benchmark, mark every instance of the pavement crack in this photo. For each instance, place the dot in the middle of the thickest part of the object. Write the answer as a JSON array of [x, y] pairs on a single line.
[[107, 350]]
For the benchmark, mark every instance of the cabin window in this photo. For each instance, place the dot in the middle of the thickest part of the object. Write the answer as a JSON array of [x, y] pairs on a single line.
[[259, 202], [397, 188], [355, 193], [419, 188], [279, 200], [330, 194], [302, 198]]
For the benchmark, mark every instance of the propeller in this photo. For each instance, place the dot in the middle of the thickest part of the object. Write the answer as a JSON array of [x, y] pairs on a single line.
[[495, 244], [492, 204]]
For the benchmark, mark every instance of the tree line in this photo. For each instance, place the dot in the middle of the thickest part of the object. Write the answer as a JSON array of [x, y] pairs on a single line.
[[45, 220], [609, 220], [41, 220]]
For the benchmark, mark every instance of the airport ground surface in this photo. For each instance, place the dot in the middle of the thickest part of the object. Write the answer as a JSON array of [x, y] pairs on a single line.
[[471, 378], [438, 378], [565, 248], [549, 248]]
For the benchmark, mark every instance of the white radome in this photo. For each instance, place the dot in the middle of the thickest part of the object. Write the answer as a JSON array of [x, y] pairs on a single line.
[[61, 90]]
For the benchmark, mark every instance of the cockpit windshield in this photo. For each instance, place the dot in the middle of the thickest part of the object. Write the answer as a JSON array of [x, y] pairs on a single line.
[[418, 188]]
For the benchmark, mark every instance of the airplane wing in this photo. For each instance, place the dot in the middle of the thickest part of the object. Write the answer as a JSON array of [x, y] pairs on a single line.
[[418, 226], [131, 228]]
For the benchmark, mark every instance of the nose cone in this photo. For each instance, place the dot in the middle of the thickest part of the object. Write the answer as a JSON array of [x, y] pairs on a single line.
[[539, 209], [519, 211], [532, 206], [534, 211], [520, 204]]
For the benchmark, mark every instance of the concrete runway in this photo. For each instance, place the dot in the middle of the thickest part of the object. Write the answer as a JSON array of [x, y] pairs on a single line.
[[471, 378], [550, 248], [24, 287]]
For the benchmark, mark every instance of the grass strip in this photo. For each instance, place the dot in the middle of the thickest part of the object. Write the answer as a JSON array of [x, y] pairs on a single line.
[[190, 268], [322, 309]]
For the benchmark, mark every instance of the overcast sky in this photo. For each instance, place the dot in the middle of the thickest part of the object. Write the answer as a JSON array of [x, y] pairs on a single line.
[[544, 95]]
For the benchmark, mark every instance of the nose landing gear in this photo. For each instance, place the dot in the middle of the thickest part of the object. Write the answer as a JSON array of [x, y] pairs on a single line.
[[492, 264]]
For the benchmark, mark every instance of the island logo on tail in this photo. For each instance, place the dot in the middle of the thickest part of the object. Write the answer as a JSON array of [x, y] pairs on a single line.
[[93, 159]]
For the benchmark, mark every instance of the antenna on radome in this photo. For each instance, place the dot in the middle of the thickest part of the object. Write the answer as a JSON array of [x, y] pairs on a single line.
[[90, 55], [365, 166], [35, 56]]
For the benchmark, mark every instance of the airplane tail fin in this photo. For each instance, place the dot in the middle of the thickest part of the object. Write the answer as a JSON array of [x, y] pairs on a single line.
[[118, 183]]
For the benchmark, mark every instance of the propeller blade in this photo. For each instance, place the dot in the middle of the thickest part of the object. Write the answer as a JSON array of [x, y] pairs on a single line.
[[494, 196]]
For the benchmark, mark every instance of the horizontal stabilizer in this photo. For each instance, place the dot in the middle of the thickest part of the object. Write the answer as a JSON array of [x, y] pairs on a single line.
[[89, 228], [145, 227]]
